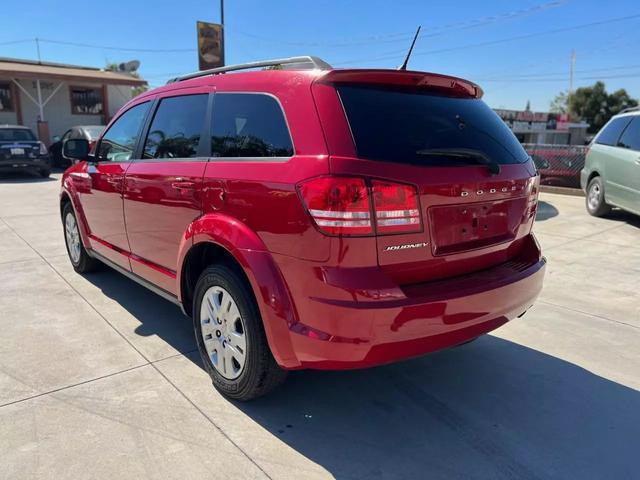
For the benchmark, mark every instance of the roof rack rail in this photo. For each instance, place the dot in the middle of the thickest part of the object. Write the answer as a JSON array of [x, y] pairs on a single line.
[[630, 109], [306, 62]]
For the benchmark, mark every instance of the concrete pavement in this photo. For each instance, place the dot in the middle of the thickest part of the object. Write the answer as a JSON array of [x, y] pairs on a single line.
[[99, 378]]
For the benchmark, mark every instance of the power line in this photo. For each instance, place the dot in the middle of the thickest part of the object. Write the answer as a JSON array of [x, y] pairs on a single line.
[[122, 49], [12, 42], [405, 36], [499, 41]]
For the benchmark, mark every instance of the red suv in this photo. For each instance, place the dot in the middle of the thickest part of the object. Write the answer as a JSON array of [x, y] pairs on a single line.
[[307, 217]]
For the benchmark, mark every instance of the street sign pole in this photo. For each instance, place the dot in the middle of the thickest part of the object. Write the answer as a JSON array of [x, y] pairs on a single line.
[[222, 29]]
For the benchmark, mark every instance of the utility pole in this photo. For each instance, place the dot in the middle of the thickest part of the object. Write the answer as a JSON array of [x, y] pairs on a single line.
[[571, 68], [222, 30], [38, 48]]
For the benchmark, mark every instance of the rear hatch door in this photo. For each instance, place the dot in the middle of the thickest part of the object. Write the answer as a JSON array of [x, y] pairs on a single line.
[[475, 183]]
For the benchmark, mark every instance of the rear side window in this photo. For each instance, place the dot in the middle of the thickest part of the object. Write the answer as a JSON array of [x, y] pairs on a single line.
[[408, 126], [118, 144], [611, 132], [249, 125], [631, 136], [176, 127]]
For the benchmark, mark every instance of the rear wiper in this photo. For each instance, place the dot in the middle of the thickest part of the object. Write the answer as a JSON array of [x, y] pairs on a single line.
[[475, 155]]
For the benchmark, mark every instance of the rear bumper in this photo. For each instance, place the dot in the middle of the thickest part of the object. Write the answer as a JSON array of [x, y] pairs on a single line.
[[24, 164], [376, 326]]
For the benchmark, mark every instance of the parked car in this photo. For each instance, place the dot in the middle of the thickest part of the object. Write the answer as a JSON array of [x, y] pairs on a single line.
[[89, 132], [611, 175], [20, 150], [312, 217]]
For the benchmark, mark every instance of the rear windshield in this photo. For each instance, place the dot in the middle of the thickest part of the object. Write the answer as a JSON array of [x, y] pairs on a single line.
[[16, 135], [94, 132], [407, 126]]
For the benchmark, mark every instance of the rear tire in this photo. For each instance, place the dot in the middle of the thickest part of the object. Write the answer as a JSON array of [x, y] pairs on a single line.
[[80, 259], [230, 336], [595, 202], [45, 172]]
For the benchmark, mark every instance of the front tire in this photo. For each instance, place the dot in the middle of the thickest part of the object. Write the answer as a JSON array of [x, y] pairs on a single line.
[[596, 204], [230, 336], [80, 259]]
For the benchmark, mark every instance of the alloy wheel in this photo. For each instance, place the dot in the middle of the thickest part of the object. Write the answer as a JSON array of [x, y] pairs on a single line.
[[594, 198], [223, 332], [73, 237]]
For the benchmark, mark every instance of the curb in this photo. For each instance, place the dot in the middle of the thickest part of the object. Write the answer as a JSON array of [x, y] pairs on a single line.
[[576, 192]]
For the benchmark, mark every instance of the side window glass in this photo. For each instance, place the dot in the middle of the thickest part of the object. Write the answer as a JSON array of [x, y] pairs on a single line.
[[119, 142], [631, 136], [612, 131], [249, 125], [176, 127]]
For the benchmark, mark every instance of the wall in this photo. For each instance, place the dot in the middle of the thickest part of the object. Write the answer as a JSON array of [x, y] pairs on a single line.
[[57, 112], [8, 117]]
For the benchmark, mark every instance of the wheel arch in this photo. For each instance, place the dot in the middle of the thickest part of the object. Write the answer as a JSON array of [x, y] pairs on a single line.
[[217, 238]]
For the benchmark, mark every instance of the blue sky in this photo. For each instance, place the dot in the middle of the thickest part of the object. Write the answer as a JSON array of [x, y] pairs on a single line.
[[516, 50]]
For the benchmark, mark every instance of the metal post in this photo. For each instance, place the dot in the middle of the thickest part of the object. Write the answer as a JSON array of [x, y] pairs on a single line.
[[571, 67], [222, 29], [38, 48], [40, 104]]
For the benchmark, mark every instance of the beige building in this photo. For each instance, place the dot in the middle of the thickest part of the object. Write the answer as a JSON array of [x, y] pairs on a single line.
[[50, 97]]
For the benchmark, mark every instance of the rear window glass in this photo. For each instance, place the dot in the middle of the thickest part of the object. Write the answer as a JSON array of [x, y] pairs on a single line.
[[16, 135], [176, 127], [93, 132], [631, 136], [249, 125], [407, 126], [611, 132]]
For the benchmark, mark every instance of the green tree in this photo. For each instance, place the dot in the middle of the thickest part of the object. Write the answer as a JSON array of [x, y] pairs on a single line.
[[593, 104], [559, 103]]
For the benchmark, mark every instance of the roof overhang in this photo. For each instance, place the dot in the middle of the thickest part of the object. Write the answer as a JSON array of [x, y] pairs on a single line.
[[68, 74]]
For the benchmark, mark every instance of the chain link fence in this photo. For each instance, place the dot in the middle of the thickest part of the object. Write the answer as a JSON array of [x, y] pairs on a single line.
[[559, 165]]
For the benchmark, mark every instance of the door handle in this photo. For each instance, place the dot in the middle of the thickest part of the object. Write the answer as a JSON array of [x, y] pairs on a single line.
[[183, 185]]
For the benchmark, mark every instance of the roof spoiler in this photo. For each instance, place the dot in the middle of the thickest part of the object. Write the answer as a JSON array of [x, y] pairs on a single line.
[[451, 86]]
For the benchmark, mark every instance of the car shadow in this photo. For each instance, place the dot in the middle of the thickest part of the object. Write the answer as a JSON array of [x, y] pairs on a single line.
[[489, 409], [24, 177], [156, 315], [545, 211]]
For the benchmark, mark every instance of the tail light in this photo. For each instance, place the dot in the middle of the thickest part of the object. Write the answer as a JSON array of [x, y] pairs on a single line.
[[396, 207], [343, 206], [339, 205]]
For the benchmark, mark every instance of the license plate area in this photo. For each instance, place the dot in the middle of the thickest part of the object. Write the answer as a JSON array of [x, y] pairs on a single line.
[[17, 151], [457, 228]]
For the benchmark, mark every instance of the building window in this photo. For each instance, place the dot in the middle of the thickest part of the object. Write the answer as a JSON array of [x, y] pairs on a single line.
[[86, 101], [6, 98]]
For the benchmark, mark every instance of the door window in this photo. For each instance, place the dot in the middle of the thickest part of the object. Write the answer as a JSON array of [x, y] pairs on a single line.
[[176, 127], [631, 137], [249, 125], [119, 143]]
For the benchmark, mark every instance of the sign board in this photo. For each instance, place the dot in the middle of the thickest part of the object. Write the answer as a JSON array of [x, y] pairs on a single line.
[[210, 45], [523, 121]]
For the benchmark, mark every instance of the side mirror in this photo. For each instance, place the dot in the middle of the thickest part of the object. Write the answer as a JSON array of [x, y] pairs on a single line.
[[77, 149]]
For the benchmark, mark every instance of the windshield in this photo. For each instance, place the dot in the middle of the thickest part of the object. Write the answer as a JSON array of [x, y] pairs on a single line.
[[402, 125], [93, 132], [16, 135]]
